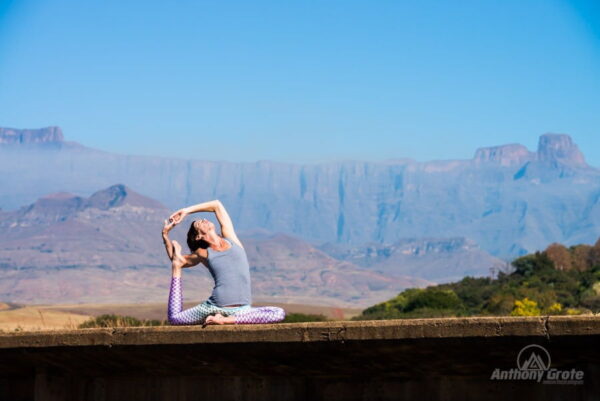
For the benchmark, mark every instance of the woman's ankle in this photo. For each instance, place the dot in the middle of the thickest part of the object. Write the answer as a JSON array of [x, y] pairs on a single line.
[[176, 272]]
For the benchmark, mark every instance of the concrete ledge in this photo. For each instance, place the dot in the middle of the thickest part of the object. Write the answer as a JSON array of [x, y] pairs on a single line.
[[425, 359], [312, 332]]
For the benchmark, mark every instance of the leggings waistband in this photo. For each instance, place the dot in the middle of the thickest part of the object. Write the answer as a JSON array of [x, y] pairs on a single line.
[[231, 308]]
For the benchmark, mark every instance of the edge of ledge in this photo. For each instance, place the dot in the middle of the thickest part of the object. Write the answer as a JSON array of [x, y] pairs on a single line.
[[402, 329]]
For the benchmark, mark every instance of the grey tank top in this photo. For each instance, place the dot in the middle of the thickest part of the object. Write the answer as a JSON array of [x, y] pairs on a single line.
[[231, 272]]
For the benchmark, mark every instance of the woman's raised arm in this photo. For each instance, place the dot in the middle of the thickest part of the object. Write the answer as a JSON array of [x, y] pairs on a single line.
[[179, 215], [215, 206]]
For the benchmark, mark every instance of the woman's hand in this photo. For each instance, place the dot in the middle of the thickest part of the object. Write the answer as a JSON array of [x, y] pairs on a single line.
[[178, 216], [168, 226]]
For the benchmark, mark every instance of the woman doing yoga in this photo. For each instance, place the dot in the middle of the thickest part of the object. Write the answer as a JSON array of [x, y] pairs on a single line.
[[225, 258]]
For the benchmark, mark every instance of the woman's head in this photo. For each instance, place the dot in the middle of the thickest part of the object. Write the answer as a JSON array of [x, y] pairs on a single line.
[[197, 233]]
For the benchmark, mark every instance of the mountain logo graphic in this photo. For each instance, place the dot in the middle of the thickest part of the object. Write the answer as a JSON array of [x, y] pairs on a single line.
[[533, 357]]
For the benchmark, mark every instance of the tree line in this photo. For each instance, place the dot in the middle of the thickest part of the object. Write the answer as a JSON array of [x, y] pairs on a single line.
[[557, 281]]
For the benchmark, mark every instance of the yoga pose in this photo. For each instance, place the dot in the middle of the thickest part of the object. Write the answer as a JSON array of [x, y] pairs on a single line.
[[225, 258]]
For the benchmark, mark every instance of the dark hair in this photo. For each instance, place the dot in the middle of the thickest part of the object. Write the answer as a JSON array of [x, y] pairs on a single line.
[[192, 242]]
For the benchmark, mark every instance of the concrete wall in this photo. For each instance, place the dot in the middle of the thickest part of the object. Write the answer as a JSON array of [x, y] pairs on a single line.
[[424, 359]]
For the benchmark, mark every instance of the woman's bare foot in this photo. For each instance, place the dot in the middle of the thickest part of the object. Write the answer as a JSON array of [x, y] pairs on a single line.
[[215, 319], [219, 319], [178, 261], [176, 249], [177, 256]]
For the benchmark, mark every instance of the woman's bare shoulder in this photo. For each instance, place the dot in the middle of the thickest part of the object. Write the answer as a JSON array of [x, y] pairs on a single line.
[[203, 253], [235, 239]]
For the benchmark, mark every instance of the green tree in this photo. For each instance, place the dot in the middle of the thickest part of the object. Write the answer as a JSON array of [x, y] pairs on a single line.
[[434, 298], [543, 278]]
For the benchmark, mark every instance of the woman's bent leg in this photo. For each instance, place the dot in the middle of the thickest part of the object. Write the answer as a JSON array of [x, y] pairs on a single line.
[[177, 316], [262, 314]]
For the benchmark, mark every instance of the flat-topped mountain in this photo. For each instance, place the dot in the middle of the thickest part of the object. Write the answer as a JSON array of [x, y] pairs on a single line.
[[505, 155], [507, 199], [13, 136], [557, 148], [552, 148], [42, 138]]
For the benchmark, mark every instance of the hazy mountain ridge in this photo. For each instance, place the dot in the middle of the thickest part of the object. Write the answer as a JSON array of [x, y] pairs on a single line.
[[108, 248], [115, 227], [509, 200], [439, 260]]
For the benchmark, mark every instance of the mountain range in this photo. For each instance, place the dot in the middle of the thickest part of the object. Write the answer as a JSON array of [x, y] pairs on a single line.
[[107, 247], [507, 199]]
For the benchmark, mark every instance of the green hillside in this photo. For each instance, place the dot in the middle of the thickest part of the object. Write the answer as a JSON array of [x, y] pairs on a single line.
[[558, 281]]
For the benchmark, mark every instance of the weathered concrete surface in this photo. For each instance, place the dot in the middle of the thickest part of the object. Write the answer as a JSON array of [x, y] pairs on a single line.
[[395, 359], [312, 332]]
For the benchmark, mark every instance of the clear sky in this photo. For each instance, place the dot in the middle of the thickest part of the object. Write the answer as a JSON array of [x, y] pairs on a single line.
[[303, 81]]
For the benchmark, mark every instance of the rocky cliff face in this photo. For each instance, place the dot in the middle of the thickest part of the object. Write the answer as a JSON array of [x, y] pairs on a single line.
[[552, 148], [559, 148], [47, 135], [506, 155], [508, 200]]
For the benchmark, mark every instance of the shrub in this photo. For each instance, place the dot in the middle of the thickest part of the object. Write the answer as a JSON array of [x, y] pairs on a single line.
[[500, 304], [302, 317], [592, 303], [108, 320], [526, 307], [555, 309]]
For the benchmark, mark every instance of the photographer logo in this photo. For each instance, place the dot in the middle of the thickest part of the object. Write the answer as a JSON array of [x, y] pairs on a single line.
[[533, 364]]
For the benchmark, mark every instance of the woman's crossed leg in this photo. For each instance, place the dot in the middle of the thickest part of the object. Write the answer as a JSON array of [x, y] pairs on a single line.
[[208, 313]]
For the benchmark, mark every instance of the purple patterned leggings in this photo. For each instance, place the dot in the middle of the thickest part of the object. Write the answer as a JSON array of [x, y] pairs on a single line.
[[196, 315]]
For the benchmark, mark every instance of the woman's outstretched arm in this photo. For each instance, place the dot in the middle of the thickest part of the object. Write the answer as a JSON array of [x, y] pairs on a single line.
[[219, 210], [210, 206]]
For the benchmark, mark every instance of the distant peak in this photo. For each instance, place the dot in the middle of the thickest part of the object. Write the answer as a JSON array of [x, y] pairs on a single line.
[[13, 136], [63, 205], [112, 196], [505, 155], [560, 148], [59, 196], [118, 195]]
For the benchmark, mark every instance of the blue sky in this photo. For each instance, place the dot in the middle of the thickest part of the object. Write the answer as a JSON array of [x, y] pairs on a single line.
[[303, 81]]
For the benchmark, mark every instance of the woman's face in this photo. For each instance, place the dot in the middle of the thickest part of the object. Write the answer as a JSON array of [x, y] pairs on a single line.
[[203, 227]]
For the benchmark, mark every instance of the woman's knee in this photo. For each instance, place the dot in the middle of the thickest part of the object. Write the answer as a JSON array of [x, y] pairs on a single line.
[[174, 321], [278, 313], [179, 319]]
